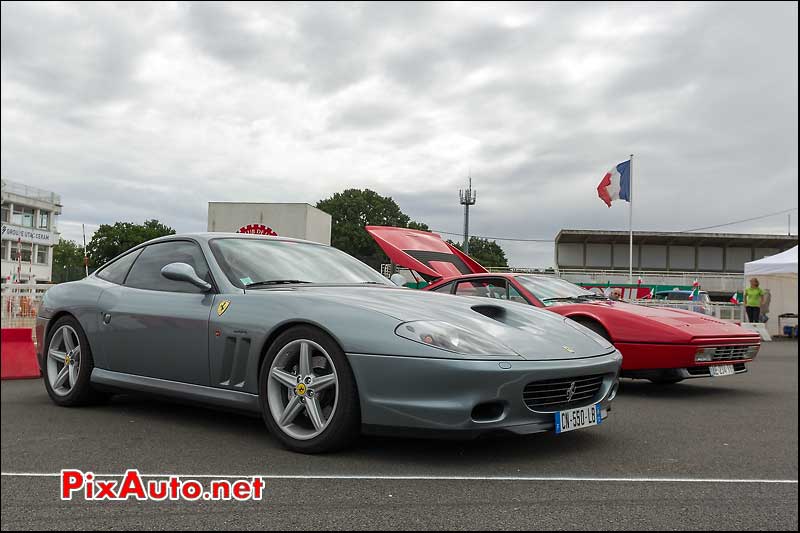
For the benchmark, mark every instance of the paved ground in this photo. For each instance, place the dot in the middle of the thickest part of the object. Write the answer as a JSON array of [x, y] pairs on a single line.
[[733, 428]]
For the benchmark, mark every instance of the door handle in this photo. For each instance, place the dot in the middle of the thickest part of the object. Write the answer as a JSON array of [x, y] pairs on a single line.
[[106, 318]]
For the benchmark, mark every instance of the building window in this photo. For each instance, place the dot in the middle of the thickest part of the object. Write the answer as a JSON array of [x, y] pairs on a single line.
[[22, 216], [42, 254], [6, 211], [4, 255], [27, 249], [44, 219]]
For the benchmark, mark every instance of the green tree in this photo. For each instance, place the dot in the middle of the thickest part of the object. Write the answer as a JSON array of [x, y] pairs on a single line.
[[111, 240], [487, 253], [67, 261], [351, 210]]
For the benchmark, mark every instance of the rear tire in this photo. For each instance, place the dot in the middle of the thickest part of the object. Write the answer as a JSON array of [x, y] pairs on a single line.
[[67, 365], [312, 406]]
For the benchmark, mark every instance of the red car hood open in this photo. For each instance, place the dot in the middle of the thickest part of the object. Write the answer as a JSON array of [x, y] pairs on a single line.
[[424, 252]]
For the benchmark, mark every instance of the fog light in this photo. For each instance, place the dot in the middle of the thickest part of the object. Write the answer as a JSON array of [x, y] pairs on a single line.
[[704, 355]]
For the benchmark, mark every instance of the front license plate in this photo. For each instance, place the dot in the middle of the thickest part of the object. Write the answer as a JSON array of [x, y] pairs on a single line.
[[579, 418], [721, 370]]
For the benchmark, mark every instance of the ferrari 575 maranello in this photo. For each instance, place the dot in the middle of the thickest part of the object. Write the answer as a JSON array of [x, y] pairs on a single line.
[[662, 345], [318, 343]]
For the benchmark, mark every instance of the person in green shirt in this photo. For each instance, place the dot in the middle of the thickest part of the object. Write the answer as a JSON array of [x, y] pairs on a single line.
[[753, 300]]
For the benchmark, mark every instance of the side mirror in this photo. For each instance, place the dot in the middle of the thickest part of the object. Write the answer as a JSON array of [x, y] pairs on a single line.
[[184, 272], [398, 279]]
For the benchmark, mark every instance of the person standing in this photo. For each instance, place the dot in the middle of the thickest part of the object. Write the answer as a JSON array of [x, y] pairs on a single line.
[[753, 300]]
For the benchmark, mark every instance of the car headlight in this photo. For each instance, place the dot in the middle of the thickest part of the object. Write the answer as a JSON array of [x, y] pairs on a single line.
[[452, 338], [704, 355]]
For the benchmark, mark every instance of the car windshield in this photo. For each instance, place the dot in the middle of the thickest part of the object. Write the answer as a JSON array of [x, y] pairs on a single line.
[[552, 290], [268, 262]]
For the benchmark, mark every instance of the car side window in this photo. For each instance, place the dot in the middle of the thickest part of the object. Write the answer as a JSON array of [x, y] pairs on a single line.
[[146, 271], [116, 271], [447, 287], [493, 288]]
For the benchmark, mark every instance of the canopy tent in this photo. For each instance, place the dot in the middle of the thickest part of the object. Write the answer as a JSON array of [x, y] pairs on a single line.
[[777, 274]]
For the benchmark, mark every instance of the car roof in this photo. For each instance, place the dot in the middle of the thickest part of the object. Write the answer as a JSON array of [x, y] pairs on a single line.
[[210, 235]]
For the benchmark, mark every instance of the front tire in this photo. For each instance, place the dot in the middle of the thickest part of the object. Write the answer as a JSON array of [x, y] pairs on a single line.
[[68, 365], [308, 395]]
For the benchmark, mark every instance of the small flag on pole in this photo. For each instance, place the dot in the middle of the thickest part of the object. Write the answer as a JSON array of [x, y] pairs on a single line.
[[651, 294], [616, 184], [735, 298], [695, 295]]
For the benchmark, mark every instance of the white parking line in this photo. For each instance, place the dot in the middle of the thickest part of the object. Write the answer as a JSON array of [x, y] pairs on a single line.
[[436, 478]]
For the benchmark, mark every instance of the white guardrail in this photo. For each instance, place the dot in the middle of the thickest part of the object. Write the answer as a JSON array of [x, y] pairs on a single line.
[[20, 303], [709, 281], [723, 311]]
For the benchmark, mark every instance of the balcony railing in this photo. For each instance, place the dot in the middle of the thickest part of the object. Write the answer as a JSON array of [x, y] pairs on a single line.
[[27, 191]]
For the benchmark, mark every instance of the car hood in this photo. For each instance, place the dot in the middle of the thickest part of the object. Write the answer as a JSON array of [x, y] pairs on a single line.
[[532, 333], [692, 324], [424, 252]]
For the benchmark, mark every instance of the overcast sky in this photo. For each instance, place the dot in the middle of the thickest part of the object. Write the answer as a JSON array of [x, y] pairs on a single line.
[[138, 111]]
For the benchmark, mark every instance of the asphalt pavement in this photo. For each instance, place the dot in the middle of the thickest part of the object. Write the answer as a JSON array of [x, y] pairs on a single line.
[[702, 454]]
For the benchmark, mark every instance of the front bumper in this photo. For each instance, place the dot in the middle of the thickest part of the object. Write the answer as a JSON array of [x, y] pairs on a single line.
[[463, 398], [639, 357]]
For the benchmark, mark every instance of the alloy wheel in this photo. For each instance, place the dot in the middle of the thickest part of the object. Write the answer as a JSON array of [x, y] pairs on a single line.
[[302, 389], [63, 360]]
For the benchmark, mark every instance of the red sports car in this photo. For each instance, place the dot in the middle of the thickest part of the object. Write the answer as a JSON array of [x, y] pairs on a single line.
[[660, 344]]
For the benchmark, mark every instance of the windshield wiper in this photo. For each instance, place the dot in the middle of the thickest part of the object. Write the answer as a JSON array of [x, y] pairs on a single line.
[[591, 297], [269, 282], [576, 297]]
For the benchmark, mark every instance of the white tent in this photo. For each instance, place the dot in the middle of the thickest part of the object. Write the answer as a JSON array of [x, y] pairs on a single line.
[[778, 274]]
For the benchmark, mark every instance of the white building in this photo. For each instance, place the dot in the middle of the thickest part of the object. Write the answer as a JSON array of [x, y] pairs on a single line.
[[296, 220], [28, 232]]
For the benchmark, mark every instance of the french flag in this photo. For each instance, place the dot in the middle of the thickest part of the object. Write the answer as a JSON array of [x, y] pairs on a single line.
[[616, 184]]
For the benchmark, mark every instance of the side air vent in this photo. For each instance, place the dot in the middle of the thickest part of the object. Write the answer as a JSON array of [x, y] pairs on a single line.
[[234, 361], [492, 311]]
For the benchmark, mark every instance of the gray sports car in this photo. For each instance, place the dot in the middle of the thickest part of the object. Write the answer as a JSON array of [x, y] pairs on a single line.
[[318, 343]]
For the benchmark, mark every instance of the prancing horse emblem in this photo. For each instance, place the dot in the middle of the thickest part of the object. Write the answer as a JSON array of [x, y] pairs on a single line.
[[571, 391], [568, 349]]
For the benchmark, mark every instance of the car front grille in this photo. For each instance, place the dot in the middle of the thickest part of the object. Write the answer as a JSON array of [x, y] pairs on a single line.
[[731, 353], [562, 393]]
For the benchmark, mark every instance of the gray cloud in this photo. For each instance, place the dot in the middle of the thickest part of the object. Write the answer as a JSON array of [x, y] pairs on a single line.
[[135, 111]]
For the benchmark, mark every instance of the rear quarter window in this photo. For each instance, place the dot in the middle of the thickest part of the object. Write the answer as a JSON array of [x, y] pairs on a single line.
[[117, 270]]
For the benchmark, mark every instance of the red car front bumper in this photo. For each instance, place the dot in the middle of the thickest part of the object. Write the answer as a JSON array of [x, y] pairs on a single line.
[[638, 356]]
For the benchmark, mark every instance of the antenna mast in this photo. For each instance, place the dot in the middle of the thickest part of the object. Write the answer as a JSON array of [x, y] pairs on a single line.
[[467, 198]]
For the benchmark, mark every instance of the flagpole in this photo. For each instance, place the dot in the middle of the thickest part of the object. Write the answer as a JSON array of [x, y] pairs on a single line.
[[630, 222]]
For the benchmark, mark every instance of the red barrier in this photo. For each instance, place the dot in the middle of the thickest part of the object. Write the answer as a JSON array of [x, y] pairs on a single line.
[[18, 359]]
